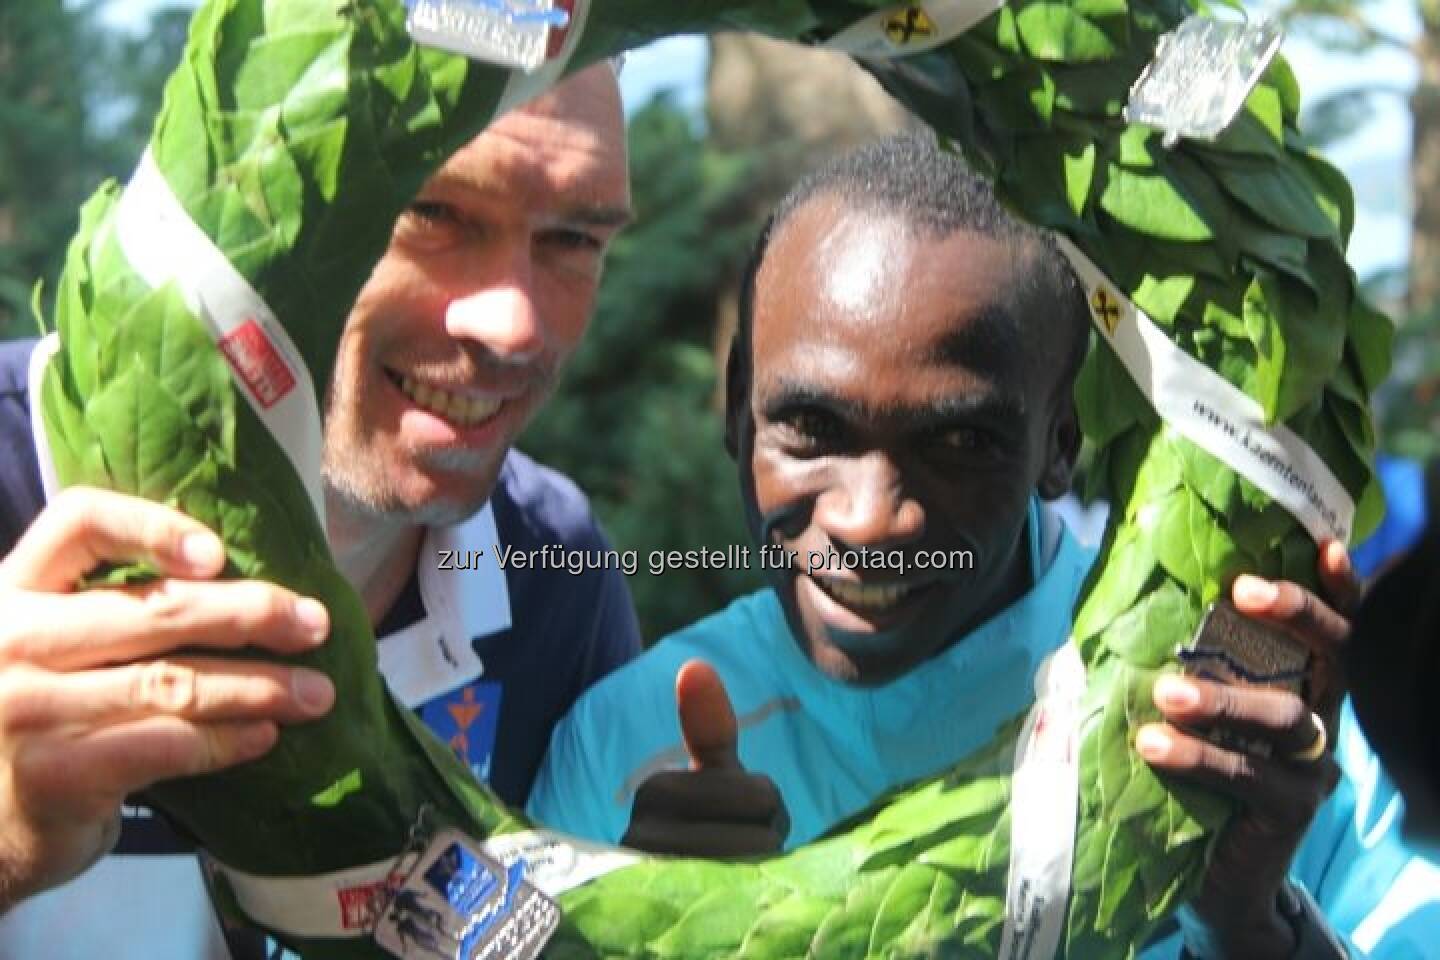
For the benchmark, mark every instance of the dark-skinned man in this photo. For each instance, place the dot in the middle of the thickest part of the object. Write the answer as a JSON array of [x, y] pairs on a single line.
[[902, 383]]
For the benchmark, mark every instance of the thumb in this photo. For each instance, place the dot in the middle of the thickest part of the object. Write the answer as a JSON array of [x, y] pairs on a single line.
[[707, 721]]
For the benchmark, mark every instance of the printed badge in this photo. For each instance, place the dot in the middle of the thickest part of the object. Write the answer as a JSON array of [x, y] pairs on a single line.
[[508, 33], [1231, 648], [460, 903], [1202, 72]]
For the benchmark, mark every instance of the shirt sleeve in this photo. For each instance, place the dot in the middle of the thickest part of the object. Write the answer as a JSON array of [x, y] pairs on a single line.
[[572, 793], [1379, 895]]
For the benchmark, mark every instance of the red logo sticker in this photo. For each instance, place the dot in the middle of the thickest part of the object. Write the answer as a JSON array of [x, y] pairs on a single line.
[[360, 905], [257, 363]]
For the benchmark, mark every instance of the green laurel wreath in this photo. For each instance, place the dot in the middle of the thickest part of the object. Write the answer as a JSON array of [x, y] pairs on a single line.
[[295, 131]]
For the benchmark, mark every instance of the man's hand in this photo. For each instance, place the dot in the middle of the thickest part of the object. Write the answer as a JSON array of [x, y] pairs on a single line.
[[716, 808], [1238, 902], [96, 703]]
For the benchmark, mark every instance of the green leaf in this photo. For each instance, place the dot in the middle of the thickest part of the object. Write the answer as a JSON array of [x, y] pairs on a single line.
[[1147, 634], [1150, 204], [1278, 197], [1118, 584], [1079, 175], [1162, 297], [353, 782], [1298, 347], [145, 435], [1192, 547], [1054, 31], [1136, 145], [1264, 104], [1279, 76]]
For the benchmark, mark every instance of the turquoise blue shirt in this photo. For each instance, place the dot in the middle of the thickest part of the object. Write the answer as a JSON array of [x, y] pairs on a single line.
[[831, 747]]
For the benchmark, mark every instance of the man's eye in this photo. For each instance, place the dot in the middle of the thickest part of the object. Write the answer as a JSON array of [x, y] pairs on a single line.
[[963, 440], [429, 224], [562, 239], [433, 213], [810, 430]]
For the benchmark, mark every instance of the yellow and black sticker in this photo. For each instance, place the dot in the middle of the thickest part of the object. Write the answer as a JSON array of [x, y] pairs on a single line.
[[1106, 308], [909, 25]]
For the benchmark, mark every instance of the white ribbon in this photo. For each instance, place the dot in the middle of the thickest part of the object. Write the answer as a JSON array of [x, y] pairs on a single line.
[[164, 245], [345, 903], [1212, 413], [1044, 809]]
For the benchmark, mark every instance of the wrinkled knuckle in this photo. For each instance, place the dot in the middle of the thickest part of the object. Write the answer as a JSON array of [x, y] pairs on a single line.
[[265, 609], [158, 534], [164, 606], [1222, 701], [167, 688], [1234, 766]]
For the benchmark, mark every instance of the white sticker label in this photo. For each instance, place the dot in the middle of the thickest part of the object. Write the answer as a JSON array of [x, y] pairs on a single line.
[[163, 246], [556, 862], [1213, 414], [508, 33], [910, 28], [1044, 809], [1202, 72]]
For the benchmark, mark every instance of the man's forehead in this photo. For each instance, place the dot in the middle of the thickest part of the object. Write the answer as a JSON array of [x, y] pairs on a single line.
[[551, 163]]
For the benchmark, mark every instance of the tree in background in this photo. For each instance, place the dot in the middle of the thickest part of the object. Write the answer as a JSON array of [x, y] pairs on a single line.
[[76, 102], [1408, 406]]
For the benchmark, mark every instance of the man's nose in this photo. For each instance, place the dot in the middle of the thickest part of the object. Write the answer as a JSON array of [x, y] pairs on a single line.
[[868, 505], [501, 317]]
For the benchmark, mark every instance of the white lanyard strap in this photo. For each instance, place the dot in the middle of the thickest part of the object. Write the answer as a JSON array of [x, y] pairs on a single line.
[[1044, 809], [346, 903]]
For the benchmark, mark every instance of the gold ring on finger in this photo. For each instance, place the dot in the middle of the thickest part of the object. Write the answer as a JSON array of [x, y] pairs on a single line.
[[1317, 747]]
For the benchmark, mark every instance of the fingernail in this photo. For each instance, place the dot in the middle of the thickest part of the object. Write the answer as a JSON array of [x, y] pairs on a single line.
[[1175, 692], [313, 690], [1254, 591], [1153, 743], [313, 616], [203, 551], [1339, 557]]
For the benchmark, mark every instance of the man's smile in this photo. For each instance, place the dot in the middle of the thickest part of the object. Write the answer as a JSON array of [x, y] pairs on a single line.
[[848, 605], [460, 408]]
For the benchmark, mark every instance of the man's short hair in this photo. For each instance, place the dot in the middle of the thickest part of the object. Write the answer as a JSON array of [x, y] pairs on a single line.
[[912, 177]]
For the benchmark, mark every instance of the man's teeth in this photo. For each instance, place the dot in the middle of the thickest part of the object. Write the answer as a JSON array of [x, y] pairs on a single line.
[[456, 407], [874, 597]]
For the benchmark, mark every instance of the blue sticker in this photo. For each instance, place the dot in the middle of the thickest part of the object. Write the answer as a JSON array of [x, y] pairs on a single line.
[[462, 880], [468, 720]]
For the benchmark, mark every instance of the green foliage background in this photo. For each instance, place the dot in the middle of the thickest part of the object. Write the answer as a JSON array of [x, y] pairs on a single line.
[[76, 104]]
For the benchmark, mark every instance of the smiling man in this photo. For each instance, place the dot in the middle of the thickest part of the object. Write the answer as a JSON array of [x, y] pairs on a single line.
[[900, 393], [456, 339]]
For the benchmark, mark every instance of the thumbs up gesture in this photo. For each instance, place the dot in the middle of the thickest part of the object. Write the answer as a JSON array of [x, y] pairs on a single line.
[[716, 808]]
